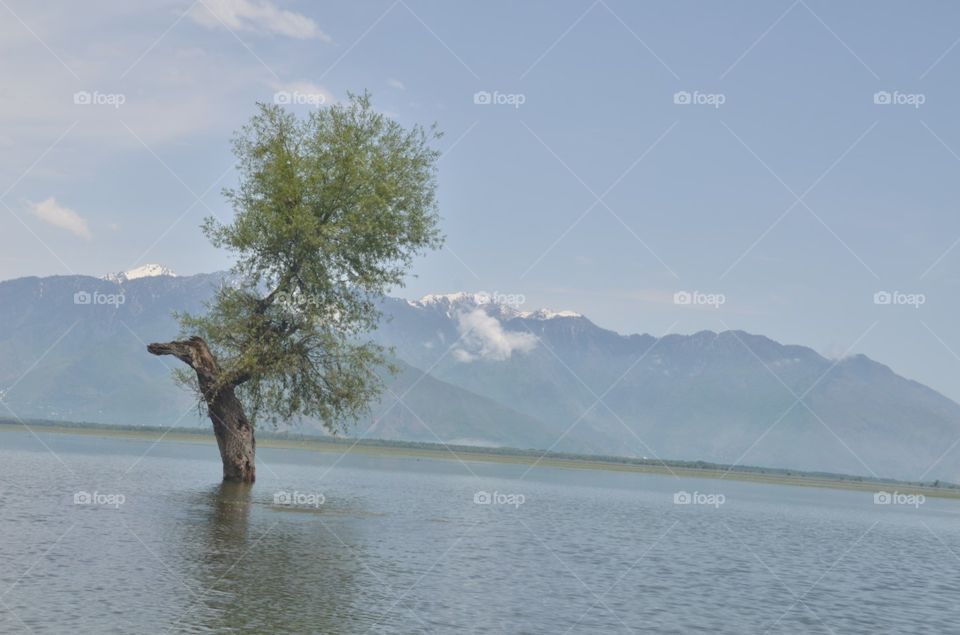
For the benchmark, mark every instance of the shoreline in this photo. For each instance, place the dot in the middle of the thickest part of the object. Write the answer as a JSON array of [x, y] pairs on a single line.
[[456, 453]]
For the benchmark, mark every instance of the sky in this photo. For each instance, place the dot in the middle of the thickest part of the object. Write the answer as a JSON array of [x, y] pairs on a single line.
[[787, 168]]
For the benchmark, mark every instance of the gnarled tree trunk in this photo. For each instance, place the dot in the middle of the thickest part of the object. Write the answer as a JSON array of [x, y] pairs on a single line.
[[230, 425]]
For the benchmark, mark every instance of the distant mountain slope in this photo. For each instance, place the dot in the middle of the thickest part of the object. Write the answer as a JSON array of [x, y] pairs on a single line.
[[420, 407], [86, 361], [725, 397], [72, 348]]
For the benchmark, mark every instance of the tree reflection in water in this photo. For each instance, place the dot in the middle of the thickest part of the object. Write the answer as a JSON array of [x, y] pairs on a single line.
[[262, 568]]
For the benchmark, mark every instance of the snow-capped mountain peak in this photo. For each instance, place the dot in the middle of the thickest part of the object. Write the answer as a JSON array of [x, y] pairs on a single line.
[[547, 314], [146, 271], [502, 304], [459, 298]]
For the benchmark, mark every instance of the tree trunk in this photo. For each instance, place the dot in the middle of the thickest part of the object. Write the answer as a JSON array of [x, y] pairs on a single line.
[[231, 427], [234, 437]]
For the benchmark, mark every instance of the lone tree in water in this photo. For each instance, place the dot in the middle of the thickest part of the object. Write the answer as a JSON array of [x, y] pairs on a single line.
[[330, 210]]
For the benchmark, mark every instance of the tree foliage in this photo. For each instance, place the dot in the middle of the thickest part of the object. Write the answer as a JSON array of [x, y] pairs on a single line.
[[330, 211]]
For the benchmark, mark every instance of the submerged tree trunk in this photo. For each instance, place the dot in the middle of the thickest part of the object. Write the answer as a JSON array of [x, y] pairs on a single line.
[[230, 425]]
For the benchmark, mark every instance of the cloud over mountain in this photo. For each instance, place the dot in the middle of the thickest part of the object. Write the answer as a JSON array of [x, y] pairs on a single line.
[[483, 337]]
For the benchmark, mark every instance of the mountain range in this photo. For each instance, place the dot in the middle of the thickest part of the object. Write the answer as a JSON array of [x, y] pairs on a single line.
[[476, 369]]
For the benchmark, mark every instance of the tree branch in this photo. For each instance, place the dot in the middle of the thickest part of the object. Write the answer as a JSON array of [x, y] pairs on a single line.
[[193, 352]]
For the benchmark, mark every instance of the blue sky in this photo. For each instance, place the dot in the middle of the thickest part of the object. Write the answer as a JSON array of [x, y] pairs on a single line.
[[798, 198]]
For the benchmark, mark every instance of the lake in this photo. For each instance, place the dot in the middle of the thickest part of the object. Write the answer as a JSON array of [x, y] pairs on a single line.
[[111, 535]]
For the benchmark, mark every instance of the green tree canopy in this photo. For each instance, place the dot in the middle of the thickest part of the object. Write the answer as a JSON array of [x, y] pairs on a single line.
[[330, 211]]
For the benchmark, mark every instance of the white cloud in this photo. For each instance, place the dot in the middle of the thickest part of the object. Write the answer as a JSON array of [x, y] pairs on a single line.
[[256, 16], [485, 338], [49, 211], [396, 83]]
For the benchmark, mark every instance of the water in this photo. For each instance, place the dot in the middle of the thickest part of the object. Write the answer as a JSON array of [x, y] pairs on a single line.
[[398, 545]]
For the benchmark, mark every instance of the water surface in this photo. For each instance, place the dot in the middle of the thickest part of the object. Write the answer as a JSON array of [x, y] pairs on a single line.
[[399, 545]]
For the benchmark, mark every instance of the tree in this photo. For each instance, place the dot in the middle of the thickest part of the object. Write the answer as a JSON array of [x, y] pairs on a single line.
[[330, 211]]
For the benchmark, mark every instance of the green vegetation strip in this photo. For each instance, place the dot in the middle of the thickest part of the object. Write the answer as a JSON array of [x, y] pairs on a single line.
[[690, 469]]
